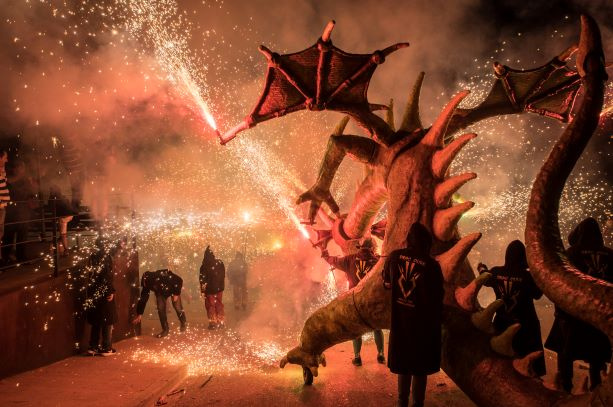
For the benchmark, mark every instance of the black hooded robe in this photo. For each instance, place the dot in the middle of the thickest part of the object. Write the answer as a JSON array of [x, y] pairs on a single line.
[[212, 273], [99, 310], [577, 339], [416, 282], [513, 284]]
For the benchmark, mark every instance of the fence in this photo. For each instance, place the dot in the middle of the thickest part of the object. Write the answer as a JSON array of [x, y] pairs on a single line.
[[37, 223]]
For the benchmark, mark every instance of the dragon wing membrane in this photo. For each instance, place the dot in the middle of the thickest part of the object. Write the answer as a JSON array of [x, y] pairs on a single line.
[[317, 78], [549, 90]]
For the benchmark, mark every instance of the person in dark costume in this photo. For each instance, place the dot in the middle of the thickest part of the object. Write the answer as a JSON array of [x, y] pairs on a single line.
[[164, 283], [212, 284], [237, 275], [570, 337], [416, 281], [100, 306], [356, 266], [513, 284]]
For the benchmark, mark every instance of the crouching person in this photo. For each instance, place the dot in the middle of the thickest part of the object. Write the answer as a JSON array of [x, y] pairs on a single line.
[[100, 306], [416, 282], [164, 283]]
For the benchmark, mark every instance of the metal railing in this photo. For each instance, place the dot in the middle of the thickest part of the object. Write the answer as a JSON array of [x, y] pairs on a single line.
[[21, 230]]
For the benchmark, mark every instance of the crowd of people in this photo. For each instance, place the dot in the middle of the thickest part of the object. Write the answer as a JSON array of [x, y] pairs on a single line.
[[415, 281], [416, 285]]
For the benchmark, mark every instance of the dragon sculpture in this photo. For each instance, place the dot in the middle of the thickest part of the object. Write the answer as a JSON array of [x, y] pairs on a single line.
[[408, 169]]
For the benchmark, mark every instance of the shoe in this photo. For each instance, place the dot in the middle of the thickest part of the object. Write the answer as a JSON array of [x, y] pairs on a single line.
[[107, 352], [221, 325], [183, 327], [357, 361], [162, 334], [92, 351], [212, 326], [381, 358]]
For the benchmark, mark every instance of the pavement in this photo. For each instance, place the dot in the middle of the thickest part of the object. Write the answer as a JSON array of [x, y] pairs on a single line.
[[94, 380], [227, 367]]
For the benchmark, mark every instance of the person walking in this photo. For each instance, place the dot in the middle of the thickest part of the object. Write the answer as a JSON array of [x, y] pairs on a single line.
[[356, 266], [212, 284], [416, 282]]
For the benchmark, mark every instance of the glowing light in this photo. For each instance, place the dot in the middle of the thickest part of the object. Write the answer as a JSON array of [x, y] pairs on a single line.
[[247, 216]]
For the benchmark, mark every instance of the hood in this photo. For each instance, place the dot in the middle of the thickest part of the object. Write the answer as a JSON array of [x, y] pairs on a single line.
[[419, 239], [586, 235], [515, 257]]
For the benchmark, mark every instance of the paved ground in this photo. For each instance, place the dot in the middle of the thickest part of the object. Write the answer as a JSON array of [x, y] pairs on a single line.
[[93, 381], [224, 368]]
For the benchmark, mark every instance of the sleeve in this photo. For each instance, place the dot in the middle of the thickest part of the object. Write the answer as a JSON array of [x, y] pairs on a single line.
[[142, 301], [387, 274], [337, 262], [202, 276]]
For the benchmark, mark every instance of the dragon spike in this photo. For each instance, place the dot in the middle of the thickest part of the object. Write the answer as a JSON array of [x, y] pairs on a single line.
[[503, 344], [444, 190], [466, 297], [435, 135], [451, 260], [525, 365], [445, 220], [482, 320], [325, 37], [411, 120], [340, 127], [389, 115], [442, 158]]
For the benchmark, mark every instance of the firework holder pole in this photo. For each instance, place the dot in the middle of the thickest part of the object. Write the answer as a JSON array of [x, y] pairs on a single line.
[[56, 254]]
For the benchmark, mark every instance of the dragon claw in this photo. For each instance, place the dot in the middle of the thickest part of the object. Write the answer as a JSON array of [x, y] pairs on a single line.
[[317, 196], [298, 356]]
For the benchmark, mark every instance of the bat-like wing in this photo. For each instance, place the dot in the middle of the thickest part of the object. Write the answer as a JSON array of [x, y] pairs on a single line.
[[317, 78]]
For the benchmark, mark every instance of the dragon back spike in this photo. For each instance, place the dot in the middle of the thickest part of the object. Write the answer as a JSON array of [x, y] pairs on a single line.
[[411, 120], [328, 31], [389, 115]]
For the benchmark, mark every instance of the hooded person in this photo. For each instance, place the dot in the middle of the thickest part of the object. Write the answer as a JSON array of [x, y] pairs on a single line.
[[570, 337], [164, 283], [416, 282], [237, 275], [212, 284], [513, 284], [100, 308], [356, 266]]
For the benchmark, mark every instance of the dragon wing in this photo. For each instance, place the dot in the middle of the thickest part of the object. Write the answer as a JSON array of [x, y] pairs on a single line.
[[549, 90], [317, 78]]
